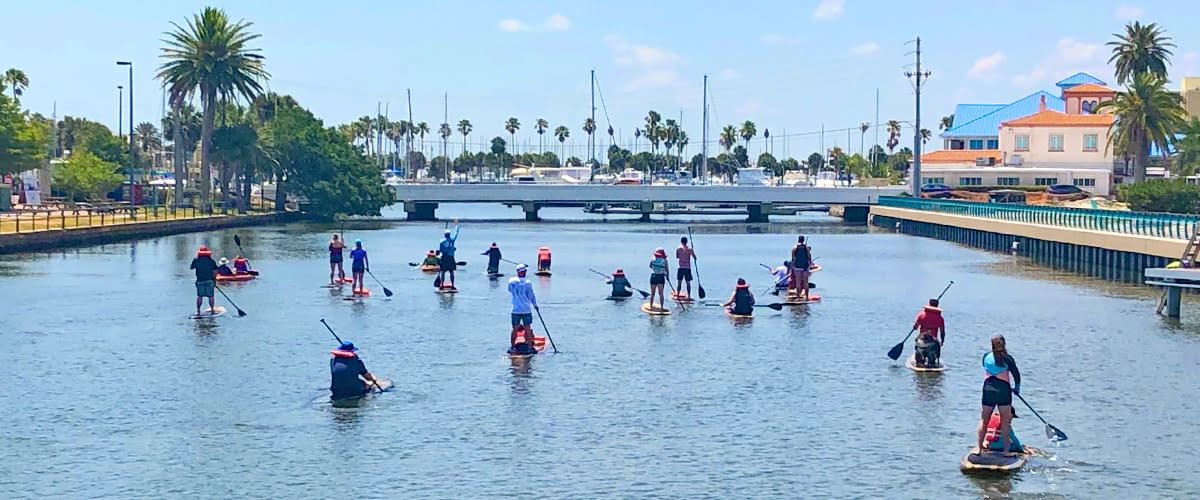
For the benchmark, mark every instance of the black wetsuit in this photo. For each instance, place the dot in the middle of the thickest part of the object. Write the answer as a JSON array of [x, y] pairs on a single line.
[[493, 254]]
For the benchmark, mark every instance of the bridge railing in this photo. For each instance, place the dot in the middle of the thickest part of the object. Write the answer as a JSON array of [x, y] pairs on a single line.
[[1161, 225]]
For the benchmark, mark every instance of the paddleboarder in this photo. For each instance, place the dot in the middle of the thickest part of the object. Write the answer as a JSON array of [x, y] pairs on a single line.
[[446, 249], [658, 277], [494, 255], [1002, 380], [801, 263], [621, 287], [431, 259], [523, 304], [335, 259], [543, 259], [781, 274], [742, 301], [359, 263], [348, 375], [206, 278], [685, 255], [932, 335]]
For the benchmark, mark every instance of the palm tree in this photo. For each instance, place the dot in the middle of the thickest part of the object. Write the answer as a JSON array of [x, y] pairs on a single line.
[[681, 141], [541, 126], [1146, 115], [15, 79], [925, 134], [637, 134], [464, 128], [893, 130], [748, 132], [728, 137], [512, 125], [1142, 48], [422, 129], [562, 133], [394, 134], [1187, 150], [652, 130], [589, 126], [669, 134], [147, 135], [947, 122], [211, 54]]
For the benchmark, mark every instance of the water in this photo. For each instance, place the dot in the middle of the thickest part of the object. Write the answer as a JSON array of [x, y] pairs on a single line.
[[120, 396]]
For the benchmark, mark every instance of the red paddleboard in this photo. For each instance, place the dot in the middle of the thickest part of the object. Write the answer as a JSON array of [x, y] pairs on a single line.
[[364, 292], [678, 297]]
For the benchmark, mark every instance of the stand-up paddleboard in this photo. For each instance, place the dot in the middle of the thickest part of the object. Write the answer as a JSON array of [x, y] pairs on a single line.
[[429, 269], [729, 312], [362, 291], [617, 299], [539, 345], [911, 363], [992, 462], [814, 268], [676, 296], [543, 273], [209, 313], [794, 300], [655, 311], [384, 385], [446, 289], [347, 279], [493, 276]]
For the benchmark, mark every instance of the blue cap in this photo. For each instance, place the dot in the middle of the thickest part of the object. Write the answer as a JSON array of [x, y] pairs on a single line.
[[357, 241], [348, 346], [522, 267]]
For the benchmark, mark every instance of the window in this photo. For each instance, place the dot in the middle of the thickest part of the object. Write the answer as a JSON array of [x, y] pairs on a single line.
[[976, 144], [993, 144], [1088, 182], [1090, 141], [932, 180], [1087, 107], [956, 144], [1045, 181], [1056, 142], [1022, 143], [1008, 181], [970, 181]]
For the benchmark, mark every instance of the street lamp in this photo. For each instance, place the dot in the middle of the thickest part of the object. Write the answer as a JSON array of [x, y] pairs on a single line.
[[132, 150], [120, 118]]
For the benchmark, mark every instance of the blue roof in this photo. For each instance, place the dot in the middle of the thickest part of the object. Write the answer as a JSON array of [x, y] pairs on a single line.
[[1078, 79], [988, 124], [964, 113]]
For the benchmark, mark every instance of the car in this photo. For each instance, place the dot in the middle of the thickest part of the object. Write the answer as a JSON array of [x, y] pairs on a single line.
[[935, 188], [1063, 189]]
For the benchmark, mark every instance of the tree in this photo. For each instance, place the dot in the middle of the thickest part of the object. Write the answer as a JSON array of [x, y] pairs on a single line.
[[541, 125], [768, 162], [652, 133], [421, 130], [211, 54], [748, 131], [925, 135], [464, 128], [789, 164], [589, 126], [444, 132], [1143, 48], [815, 163], [1187, 150], [512, 125], [16, 80], [562, 133], [147, 137], [893, 130], [947, 122], [22, 145], [84, 176], [728, 137], [1146, 115]]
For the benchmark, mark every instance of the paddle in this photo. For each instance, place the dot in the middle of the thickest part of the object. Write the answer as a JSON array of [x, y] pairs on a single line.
[[698, 285], [644, 294], [241, 313], [385, 289], [894, 353], [811, 285], [675, 295], [547, 330], [1052, 432], [776, 306], [339, 339], [459, 263], [238, 241]]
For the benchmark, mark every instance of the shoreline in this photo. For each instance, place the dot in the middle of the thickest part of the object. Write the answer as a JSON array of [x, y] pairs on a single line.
[[73, 237]]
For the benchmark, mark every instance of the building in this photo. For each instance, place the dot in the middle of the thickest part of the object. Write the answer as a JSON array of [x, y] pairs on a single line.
[[1038, 140], [1190, 91]]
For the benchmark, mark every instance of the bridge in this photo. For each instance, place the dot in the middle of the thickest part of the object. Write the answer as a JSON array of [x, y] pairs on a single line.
[[421, 200]]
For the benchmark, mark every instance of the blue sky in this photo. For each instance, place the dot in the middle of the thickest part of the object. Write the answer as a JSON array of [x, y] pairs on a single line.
[[788, 66]]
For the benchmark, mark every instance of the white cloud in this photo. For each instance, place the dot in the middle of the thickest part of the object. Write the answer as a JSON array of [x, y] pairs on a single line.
[[1129, 12], [779, 40], [1072, 50], [655, 79], [728, 74], [556, 22], [627, 54], [829, 9], [511, 25], [985, 66], [864, 49], [1069, 57], [749, 107]]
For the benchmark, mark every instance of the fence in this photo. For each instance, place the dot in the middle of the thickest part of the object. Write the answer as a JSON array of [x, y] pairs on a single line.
[[1161, 225], [26, 220]]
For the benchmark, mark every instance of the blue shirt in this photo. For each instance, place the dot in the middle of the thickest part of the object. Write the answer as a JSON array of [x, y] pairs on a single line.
[[358, 255], [344, 381], [658, 265], [447, 244], [521, 290], [781, 275]]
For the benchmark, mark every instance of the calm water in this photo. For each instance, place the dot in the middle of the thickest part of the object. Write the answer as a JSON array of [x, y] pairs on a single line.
[[112, 392]]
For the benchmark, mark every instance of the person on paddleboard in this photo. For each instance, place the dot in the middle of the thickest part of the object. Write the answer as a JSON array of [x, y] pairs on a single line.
[[523, 304], [621, 287], [992, 436], [446, 248], [801, 263], [493, 255], [348, 375], [932, 335], [1002, 379], [685, 255], [658, 277], [335, 259], [543, 258], [223, 268], [431, 259], [206, 277], [781, 274], [241, 265], [742, 300], [359, 264]]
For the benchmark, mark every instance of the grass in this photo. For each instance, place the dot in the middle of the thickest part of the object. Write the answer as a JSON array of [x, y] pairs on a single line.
[[69, 219]]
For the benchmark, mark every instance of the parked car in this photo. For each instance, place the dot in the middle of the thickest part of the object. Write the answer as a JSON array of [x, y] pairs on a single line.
[[1063, 189], [936, 191]]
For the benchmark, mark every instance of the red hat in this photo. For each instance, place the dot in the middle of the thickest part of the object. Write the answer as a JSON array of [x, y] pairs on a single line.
[[204, 251], [660, 253], [741, 283], [619, 273]]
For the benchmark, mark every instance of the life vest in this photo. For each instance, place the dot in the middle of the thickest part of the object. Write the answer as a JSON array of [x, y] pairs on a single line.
[[239, 262], [993, 429], [338, 353], [544, 253], [930, 319]]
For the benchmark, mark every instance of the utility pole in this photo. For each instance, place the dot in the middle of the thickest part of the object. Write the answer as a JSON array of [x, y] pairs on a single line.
[[120, 113], [918, 80], [704, 133], [446, 123], [876, 143], [592, 135]]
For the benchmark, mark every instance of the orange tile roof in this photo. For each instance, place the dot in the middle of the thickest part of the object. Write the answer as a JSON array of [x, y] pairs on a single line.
[[958, 155], [1051, 118], [1088, 87]]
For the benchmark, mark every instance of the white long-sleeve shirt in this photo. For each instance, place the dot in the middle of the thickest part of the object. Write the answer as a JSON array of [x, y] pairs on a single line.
[[523, 300]]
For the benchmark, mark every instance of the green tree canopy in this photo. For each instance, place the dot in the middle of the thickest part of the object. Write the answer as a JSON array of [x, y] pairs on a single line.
[[84, 176], [22, 145]]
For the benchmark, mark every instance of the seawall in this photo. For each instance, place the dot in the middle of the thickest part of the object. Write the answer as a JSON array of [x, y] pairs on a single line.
[[71, 237]]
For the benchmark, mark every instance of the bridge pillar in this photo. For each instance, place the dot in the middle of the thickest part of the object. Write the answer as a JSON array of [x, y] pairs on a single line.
[[856, 214], [646, 207], [531, 211], [759, 212], [420, 211]]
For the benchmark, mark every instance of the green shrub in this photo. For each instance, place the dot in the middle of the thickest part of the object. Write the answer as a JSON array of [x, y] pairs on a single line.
[[984, 189], [1175, 196]]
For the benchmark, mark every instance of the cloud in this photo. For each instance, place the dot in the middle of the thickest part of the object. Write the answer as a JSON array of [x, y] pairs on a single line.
[[865, 49], [1129, 12], [655, 79], [556, 22], [829, 9], [749, 107], [1069, 57], [985, 66], [627, 54], [779, 40], [728, 74]]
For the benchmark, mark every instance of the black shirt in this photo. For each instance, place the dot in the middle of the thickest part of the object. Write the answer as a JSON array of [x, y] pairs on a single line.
[[205, 266]]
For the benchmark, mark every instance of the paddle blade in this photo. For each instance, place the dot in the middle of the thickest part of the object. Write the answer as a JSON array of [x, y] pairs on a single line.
[[414, 264], [644, 294], [461, 263], [896, 350], [241, 313], [387, 292], [1055, 435], [237, 239], [437, 282], [702, 294], [777, 307]]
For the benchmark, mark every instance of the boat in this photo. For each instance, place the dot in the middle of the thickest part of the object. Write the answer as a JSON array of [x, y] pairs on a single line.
[[752, 176], [629, 177], [235, 277], [429, 268], [992, 461]]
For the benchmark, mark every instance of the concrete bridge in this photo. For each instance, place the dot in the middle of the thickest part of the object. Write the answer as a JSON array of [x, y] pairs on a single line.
[[421, 200]]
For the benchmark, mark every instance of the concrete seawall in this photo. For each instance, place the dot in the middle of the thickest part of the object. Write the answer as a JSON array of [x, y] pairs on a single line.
[[60, 238]]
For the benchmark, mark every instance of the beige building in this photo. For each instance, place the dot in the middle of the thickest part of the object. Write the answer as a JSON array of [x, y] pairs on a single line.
[[1190, 90]]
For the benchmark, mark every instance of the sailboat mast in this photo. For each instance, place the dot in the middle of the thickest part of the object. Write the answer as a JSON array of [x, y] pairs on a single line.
[[704, 135], [592, 135]]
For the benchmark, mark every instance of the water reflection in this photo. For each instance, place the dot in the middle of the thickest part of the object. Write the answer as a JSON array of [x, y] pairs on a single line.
[[929, 386], [521, 382]]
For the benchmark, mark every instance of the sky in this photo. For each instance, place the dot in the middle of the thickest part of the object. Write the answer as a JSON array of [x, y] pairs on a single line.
[[791, 67]]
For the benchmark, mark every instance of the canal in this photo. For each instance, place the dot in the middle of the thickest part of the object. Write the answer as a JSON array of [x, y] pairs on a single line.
[[113, 392]]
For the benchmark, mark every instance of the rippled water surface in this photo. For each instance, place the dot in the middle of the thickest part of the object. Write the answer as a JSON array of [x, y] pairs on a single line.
[[112, 392]]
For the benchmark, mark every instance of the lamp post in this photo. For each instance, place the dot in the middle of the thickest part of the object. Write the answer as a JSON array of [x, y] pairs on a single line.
[[120, 117], [132, 149]]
